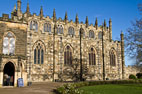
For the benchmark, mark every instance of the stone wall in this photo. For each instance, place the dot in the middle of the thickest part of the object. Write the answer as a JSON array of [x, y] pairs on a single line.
[[43, 72], [19, 31], [131, 70]]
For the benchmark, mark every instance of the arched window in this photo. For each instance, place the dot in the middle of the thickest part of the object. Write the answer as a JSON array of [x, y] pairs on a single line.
[[92, 57], [91, 34], [47, 27], [34, 25], [71, 31], [35, 51], [112, 58], [100, 35], [68, 56], [60, 29], [39, 54], [9, 44]]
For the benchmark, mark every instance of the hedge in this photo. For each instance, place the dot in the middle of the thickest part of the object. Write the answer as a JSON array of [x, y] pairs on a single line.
[[72, 88]]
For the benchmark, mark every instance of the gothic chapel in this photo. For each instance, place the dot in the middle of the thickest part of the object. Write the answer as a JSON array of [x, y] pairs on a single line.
[[38, 48]]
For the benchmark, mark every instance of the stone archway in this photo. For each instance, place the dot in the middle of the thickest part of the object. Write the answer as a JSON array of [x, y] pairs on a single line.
[[8, 71]]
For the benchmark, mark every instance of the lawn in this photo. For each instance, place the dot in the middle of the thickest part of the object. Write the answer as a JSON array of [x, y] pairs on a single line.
[[113, 89]]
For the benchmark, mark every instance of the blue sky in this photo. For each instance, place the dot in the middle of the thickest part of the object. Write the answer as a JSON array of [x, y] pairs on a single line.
[[122, 12]]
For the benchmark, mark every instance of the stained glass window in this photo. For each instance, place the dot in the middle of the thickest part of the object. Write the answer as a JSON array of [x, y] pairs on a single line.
[[67, 56], [92, 57], [112, 58], [39, 54]]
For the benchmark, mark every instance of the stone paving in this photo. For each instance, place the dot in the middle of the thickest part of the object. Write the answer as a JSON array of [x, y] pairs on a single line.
[[36, 88]]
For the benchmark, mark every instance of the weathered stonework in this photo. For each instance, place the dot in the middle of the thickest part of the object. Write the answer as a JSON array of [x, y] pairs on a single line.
[[54, 45], [132, 70]]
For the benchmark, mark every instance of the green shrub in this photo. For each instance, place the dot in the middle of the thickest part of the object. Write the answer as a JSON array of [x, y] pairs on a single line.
[[68, 89], [139, 75], [132, 77]]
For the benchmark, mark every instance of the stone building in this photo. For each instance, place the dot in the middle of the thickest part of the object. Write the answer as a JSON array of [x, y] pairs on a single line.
[[38, 48]]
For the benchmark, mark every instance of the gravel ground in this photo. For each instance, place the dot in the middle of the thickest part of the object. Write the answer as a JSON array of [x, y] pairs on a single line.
[[36, 88]]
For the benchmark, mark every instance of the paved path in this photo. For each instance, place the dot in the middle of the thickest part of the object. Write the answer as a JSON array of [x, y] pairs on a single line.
[[36, 88]]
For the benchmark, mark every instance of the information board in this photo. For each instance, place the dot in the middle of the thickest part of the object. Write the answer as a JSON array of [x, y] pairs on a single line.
[[20, 82]]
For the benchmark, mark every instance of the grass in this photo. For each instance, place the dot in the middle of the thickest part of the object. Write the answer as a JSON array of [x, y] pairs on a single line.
[[113, 89]]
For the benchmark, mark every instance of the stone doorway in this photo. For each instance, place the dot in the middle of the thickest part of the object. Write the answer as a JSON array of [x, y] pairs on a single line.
[[8, 74]]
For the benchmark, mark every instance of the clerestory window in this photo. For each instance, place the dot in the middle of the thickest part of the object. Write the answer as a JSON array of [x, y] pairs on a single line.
[[47, 27], [34, 26]]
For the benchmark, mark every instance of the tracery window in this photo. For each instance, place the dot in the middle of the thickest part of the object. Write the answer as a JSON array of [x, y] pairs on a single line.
[[60, 29], [91, 34], [112, 58], [39, 54], [68, 56], [71, 31], [100, 35], [92, 57], [34, 25], [47, 27], [9, 44]]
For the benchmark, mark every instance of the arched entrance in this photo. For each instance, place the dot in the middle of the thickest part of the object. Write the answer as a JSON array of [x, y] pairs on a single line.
[[8, 74]]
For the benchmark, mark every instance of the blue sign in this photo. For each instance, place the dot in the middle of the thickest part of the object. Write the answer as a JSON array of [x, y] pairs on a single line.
[[20, 82]]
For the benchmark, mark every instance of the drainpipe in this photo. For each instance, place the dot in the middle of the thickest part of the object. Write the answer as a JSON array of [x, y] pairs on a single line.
[[103, 53], [54, 51], [81, 54]]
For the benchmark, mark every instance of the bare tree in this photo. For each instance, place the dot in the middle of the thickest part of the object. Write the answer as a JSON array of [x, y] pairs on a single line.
[[133, 39]]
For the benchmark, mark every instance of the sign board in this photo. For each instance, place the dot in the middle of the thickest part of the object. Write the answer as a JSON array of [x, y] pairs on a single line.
[[20, 82]]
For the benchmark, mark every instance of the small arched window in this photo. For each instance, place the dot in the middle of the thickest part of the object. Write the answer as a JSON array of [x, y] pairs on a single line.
[[60, 29], [9, 44], [91, 34], [71, 31], [100, 35], [92, 57], [34, 25], [47, 27], [68, 56], [112, 58], [39, 54]]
